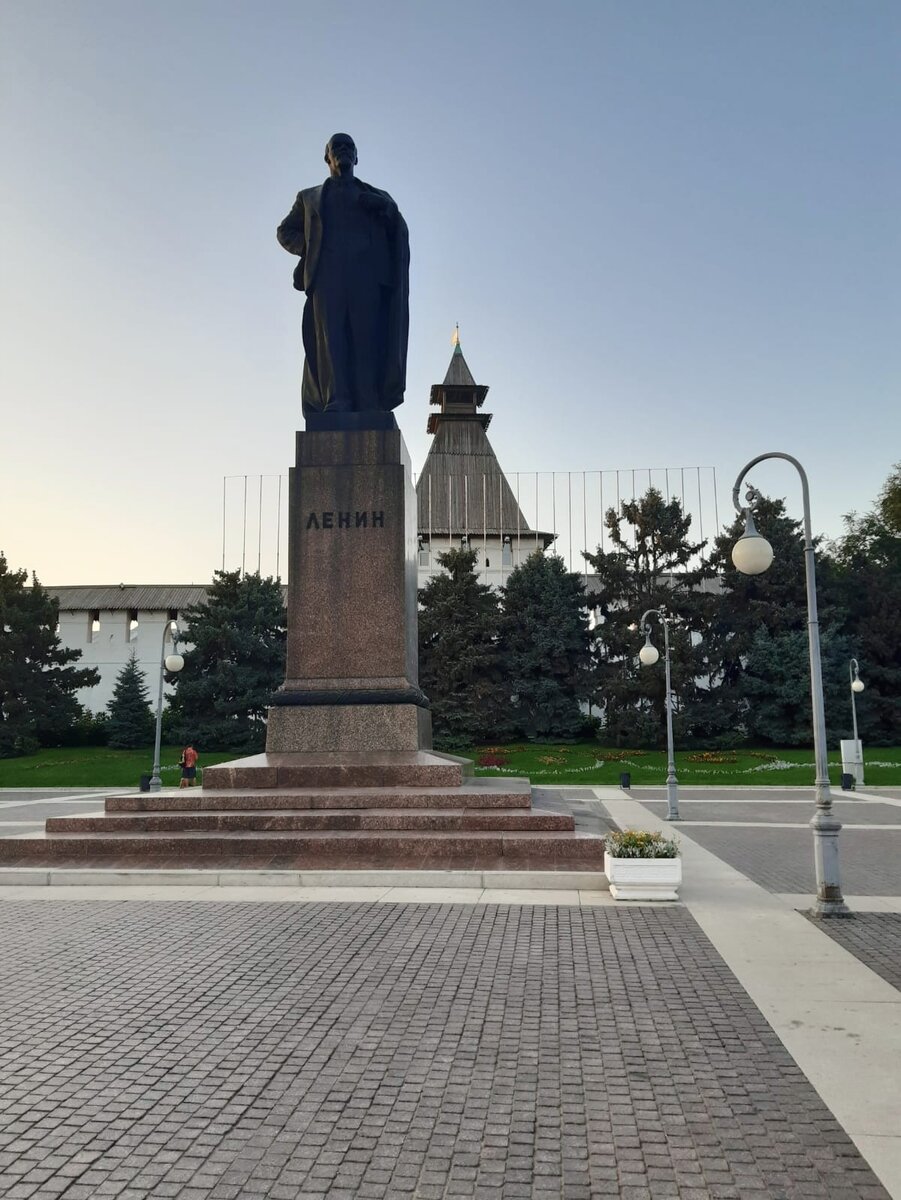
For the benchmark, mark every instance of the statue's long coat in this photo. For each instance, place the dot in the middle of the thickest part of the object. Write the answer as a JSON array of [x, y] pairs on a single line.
[[301, 233]]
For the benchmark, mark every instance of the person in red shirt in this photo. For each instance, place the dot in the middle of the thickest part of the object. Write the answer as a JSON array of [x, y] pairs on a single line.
[[188, 767]]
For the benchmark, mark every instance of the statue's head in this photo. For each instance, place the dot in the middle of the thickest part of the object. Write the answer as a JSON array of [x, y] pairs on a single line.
[[340, 152]]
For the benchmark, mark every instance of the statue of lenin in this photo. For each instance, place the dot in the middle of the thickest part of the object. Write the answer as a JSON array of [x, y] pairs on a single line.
[[354, 268]]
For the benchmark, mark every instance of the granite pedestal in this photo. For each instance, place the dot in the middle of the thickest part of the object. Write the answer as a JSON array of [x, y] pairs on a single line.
[[351, 681]]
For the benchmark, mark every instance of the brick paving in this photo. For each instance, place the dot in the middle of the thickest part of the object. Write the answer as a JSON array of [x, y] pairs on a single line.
[[874, 938], [781, 860], [848, 812], [219, 1051]]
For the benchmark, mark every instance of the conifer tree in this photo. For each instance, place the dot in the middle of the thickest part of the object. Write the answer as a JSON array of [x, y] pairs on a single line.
[[460, 665], [131, 722], [867, 578], [653, 564], [756, 618], [546, 647], [236, 662], [37, 684]]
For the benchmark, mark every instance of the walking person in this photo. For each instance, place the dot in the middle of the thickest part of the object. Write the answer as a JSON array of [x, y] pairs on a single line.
[[188, 766]]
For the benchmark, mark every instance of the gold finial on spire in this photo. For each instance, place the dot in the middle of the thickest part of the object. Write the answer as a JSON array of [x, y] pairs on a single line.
[[455, 340]]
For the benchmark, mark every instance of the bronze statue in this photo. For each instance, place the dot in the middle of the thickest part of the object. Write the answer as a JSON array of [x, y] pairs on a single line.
[[354, 267]]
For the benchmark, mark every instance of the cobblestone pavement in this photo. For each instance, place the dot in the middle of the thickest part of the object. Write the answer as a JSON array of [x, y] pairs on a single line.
[[352, 1050], [874, 938], [781, 860], [853, 812]]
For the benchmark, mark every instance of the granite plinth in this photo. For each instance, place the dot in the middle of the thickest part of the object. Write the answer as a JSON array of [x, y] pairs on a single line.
[[385, 811], [420, 768], [351, 599], [480, 794], [263, 820], [547, 851], [347, 728]]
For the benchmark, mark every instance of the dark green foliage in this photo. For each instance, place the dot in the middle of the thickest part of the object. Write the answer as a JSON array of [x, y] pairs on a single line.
[[890, 502], [460, 666], [89, 729], [649, 568], [37, 686], [546, 647], [775, 602], [867, 581], [777, 686], [131, 723], [237, 662]]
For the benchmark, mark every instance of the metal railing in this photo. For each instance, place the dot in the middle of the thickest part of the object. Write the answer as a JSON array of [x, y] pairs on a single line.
[[569, 506]]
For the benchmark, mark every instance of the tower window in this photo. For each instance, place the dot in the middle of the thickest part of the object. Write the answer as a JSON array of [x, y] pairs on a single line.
[[131, 625], [93, 624]]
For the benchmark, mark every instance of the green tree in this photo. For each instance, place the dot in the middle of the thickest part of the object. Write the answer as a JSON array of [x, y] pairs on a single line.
[[890, 502], [867, 577], [461, 669], [653, 564], [775, 601], [236, 663], [131, 723], [37, 684], [545, 642], [777, 686]]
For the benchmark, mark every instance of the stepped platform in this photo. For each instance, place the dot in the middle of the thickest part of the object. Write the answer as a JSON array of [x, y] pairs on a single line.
[[301, 811]]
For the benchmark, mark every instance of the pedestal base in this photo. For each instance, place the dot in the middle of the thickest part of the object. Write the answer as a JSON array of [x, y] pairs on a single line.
[[347, 728]]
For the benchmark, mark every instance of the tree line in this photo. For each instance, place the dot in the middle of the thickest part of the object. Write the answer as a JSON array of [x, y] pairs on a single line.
[[541, 658]]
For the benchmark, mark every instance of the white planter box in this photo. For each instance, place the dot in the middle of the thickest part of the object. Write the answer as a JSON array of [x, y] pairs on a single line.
[[643, 878]]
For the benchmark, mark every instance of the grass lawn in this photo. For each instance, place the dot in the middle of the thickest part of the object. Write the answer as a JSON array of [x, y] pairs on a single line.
[[589, 763], [583, 763], [95, 766]]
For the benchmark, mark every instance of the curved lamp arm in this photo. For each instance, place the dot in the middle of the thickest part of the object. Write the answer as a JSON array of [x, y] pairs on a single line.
[[753, 493]]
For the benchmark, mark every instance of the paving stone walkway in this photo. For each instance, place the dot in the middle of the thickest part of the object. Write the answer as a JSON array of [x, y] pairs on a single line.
[[175, 1049], [874, 938], [781, 860]]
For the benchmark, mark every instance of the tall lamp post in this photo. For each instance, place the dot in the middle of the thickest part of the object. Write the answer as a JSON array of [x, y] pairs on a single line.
[[172, 663], [857, 686], [752, 554], [648, 655]]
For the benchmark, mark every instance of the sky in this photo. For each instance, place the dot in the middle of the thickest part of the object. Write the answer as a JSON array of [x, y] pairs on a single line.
[[668, 230]]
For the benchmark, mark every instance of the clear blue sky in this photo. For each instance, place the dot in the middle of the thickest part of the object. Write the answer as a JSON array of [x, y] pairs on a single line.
[[669, 231]]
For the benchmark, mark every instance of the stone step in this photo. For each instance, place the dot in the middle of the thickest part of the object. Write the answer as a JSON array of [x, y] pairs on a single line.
[[420, 768], [479, 793], [447, 819], [517, 851]]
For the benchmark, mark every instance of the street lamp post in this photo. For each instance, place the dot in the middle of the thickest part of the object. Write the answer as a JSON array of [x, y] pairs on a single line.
[[752, 554], [648, 655], [172, 663], [857, 686]]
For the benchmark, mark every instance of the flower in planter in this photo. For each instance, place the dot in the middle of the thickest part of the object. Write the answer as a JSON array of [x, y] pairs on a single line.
[[637, 843]]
